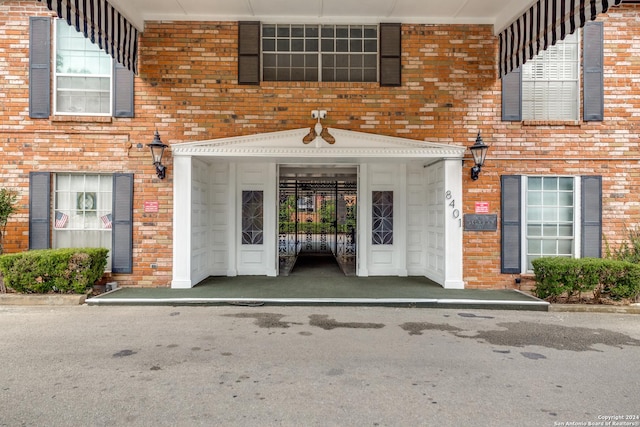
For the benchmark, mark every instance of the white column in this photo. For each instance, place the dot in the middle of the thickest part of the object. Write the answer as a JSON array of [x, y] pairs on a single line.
[[233, 221], [271, 220], [453, 224], [400, 227], [363, 220], [182, 174]]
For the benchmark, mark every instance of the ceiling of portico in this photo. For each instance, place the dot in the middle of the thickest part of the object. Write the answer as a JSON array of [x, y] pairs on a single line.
[[498, 13]]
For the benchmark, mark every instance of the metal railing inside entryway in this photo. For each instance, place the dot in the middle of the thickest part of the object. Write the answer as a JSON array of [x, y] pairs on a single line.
[[317, 218]]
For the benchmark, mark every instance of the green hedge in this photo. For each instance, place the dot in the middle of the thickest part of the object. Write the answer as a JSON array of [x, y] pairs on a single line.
[[557, 277], [53, 270]]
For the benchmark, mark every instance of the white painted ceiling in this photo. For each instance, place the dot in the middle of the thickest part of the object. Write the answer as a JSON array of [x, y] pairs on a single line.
[[498, 13]]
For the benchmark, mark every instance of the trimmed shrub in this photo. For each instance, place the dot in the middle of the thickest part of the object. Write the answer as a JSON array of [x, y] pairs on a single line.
[[569, 277], [54, 270]]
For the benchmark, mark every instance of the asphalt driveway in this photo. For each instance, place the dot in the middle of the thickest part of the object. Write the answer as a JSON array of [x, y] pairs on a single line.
[[315, 366]]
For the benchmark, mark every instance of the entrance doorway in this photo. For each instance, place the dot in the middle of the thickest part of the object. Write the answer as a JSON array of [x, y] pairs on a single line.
[[211, 177], [317, 218]]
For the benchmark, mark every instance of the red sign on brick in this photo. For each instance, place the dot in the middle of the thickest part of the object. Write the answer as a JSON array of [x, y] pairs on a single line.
[[151, 206], [482, 207]]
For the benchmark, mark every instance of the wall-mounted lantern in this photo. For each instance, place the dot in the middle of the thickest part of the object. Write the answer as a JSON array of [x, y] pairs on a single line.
[[157, 150], [479, 153]]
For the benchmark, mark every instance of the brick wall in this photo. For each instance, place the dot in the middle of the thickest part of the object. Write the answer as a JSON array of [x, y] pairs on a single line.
[[187, 89]]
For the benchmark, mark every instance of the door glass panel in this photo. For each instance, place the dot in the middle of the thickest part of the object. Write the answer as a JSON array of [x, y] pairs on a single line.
[[382, 217], [252, 217]]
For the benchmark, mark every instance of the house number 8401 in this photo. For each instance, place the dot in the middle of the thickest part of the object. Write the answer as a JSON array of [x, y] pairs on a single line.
[[455, 212]]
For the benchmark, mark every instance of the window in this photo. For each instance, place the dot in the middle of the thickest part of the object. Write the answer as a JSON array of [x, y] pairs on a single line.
[[549, 216], [82, 211], [330, 53], [306, 204], [252, 217], [382, 217], [85, 80], [319, 53], [82, 74], [549, 213], [550, 84]]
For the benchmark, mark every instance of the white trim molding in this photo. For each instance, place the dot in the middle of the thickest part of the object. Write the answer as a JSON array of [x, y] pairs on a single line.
[[350, 146]]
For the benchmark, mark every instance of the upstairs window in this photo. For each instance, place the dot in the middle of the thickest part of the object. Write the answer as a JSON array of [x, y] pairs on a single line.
[[549, 86], [550, 83], [319, 53], [82, 83], [330, 53], [85, 80]]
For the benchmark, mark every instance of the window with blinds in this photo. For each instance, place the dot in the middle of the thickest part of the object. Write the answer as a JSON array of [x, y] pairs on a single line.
[[550, 82], [82, 74]]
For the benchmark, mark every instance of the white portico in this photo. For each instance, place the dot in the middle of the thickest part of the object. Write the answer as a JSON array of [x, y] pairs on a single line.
[[214, 179]]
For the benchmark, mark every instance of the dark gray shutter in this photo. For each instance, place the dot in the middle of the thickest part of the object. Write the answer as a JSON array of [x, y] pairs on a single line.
[[122, 223], [39, 210], [123, 93], [510, 203], [249, 53], [593, 72], [591, 216], [39, 67], [512, 96], [390, 54]]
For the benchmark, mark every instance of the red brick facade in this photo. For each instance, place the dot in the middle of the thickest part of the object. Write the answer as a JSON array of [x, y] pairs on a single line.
[[187, 89]]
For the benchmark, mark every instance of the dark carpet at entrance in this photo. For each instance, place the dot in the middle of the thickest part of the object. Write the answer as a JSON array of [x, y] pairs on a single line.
[[316, 266], [322, 279]]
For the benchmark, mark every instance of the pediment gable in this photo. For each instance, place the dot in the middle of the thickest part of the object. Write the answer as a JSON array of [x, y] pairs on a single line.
[[289, 144]]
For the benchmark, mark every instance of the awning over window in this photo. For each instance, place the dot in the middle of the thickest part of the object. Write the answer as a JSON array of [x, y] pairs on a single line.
[[104, 25], [542, 25]]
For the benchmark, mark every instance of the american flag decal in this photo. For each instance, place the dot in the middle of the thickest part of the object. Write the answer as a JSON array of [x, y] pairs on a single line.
[[61, 219], [106, 220]]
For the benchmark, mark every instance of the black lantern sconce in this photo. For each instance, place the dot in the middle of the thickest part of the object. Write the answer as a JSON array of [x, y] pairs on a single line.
[[479, 153], [157, 150]]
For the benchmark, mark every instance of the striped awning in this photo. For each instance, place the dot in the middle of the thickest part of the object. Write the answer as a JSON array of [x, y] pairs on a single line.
[[542, 25], [104, 25]]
